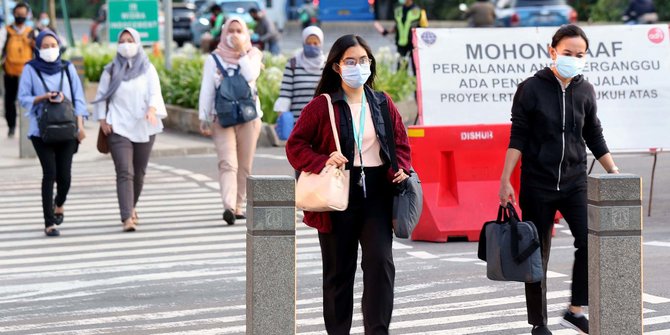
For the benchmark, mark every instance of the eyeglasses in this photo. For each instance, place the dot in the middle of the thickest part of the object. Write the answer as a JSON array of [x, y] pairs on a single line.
[[353, 62]]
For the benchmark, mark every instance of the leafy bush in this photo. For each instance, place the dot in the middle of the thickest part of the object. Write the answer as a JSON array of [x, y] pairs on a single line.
[[181, 85], [391, 79], [268, 84], [608, 10], [96, 56]]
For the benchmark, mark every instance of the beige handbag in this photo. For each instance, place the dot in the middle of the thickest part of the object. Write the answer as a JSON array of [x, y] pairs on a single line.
[[328, 190]]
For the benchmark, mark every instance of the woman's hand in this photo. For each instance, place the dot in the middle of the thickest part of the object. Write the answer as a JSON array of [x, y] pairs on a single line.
[[151, 116], [81, 135], [205, 128], [56, 97], [43, 97], [400, 176], [336, 159], [106, 127], [238, 44], [506, 193]]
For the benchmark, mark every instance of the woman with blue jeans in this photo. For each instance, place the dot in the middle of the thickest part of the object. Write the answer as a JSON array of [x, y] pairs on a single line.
[[55, 158]]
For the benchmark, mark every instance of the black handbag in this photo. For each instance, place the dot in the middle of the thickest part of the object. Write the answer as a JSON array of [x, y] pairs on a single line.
[[511, 248], [58, 122], [408, 198]]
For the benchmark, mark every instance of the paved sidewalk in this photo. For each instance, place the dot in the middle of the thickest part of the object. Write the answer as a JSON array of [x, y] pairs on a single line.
[[167, 143]]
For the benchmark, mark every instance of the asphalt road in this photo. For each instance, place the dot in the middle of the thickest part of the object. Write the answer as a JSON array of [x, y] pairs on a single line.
[[183, 272]]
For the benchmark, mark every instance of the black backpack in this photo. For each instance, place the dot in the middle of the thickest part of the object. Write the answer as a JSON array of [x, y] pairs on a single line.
[[235, 103], [58, 122]]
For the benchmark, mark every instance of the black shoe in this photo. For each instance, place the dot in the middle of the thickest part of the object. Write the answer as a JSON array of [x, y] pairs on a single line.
[[229, 217], [577, 322], [240, 217], [540, 330], [11, 132], [51, 232], [58, 217]]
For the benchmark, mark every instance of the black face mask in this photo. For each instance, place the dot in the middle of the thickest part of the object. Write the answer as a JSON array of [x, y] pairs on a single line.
[[20, 19]]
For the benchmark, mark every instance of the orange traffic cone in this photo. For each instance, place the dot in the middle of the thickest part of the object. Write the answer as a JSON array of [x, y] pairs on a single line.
[[84, 39], [157, 50]]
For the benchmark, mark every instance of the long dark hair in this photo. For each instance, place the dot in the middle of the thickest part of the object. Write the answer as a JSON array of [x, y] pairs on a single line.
[[331, 80]]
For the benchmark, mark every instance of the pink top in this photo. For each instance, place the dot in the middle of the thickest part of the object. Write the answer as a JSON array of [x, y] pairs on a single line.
[[371, 147]]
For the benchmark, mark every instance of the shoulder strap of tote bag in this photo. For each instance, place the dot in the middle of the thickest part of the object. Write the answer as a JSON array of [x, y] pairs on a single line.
[[331, 114]]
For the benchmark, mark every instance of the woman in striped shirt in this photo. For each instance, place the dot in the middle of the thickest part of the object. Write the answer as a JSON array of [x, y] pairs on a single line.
[[302, 74]]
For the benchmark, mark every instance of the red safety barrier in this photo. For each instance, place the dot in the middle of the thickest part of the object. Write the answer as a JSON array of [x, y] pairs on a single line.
[[460, 168]]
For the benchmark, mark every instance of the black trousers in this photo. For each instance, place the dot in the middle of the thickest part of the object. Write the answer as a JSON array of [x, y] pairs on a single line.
[[11, 91], [56, 161], [404, 51], [540, 206], [368, 221]]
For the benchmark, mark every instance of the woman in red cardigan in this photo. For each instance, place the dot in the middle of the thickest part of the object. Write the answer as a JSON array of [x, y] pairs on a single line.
[[348, 77]]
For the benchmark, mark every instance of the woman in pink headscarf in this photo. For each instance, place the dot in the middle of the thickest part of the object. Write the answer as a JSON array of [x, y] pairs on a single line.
[[235, 145]]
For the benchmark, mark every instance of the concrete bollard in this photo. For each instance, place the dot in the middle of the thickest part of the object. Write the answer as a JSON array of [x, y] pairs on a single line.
[[615, 254], [26, 149], [271, 260]]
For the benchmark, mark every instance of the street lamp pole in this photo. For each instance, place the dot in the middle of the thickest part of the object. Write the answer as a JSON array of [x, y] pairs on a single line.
[[5, 6], [168, 33]]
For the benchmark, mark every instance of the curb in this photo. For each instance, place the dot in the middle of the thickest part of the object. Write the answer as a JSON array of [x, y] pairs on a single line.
[[185, 120]]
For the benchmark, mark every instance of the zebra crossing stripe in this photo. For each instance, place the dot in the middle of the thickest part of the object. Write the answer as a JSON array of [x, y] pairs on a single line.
[[182, 226], [658, 244]]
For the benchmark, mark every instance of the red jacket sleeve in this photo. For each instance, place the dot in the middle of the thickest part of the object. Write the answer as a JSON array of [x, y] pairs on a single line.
[[307, 137], [403, 152]]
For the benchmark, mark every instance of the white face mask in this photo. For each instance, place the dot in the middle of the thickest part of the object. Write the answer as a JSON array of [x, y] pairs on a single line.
[[50, 54], [128, 50], [229, 41]]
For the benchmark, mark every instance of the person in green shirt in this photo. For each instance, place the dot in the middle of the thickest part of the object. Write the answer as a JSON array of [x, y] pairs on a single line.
[[217, 21]]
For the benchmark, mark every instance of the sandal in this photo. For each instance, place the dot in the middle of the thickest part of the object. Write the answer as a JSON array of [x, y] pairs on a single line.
[[51, 231], [135, 217], [130, 226]]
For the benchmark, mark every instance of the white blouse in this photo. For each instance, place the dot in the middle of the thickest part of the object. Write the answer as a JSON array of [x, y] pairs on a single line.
[[129, 105], [250, 69]]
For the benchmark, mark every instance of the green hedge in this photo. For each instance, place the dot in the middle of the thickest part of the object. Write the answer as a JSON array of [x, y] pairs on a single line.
[[181, 85]]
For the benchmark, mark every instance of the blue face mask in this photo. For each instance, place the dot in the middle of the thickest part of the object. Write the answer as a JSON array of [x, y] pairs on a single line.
[[355, 76], [45, 22], [311, 51], [569, 67]]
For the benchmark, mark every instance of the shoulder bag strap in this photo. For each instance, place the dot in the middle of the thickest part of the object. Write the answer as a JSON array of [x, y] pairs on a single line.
[[519, 257], [224, 73], [62, 75], [331, 114], [390, 135], [39, 74], [69, 80], [111, 73]]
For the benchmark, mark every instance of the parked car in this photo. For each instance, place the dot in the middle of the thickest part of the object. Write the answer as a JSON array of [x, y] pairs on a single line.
[[241, 8], [11, 5], [534, 13], [183, 15]]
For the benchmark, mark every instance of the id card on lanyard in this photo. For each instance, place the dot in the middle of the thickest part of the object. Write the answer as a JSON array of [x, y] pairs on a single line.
[[358, 137]]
